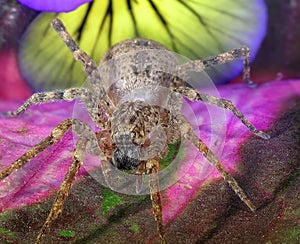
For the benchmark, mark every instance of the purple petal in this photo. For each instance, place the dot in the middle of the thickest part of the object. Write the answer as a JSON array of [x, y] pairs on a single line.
[[261, 106], [53, 5], [45, 172]]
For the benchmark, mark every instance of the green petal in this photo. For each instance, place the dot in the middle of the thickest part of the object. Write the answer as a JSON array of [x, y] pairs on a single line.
[[193, 28]]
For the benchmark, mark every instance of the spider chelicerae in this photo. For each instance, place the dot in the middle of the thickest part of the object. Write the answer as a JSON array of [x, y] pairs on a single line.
[[134, 132]]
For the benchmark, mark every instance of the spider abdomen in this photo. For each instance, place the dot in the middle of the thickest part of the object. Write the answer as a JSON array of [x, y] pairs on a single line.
[[136, 64]]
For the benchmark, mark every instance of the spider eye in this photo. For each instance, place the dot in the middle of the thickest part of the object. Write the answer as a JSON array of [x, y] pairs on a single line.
[[116, 134], [132, 134]]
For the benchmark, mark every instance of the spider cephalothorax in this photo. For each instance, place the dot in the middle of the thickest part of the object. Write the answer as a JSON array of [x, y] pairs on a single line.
[[128, 135], [139, 132], [136, 63], [134, 98]]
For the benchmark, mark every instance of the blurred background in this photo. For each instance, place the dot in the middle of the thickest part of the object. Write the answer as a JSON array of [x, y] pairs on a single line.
[[280, 50], [277, 58]]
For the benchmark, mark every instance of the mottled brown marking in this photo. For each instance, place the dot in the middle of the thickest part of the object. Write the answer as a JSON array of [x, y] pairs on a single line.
[[132, 65]]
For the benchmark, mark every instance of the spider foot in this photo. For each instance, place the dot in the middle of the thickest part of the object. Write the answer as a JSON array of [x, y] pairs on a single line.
[[4, 114], [251, 84], [7, 114], [263, 135]]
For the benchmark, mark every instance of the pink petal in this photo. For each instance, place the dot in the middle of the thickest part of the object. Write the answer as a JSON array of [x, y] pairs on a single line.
[[261, 106], [45, 172]]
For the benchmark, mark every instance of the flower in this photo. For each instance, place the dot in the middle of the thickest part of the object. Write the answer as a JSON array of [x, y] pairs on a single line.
[[205, 29], [53, 5]]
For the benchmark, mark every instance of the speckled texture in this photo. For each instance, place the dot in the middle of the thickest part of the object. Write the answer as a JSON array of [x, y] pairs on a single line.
[[270, 174], [195, 211]]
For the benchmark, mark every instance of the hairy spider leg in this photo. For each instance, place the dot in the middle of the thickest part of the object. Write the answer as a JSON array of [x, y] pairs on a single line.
[[209, 155], [63, 191], [56, 134], [194, 95], [85, 95], [199, 65], [89, 65], [157, 147], [86, 137], [152, 167], [106, 168]]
